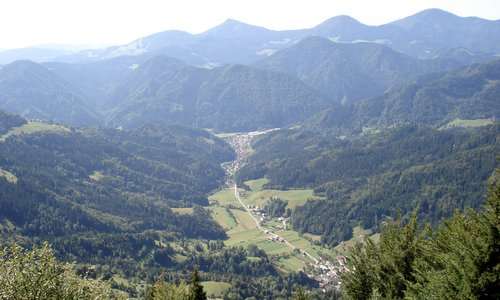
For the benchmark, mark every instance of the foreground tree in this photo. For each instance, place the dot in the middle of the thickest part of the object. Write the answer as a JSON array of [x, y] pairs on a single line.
[[196, 289], [36, 274], [462, 259], [162, 290], [459, 260]]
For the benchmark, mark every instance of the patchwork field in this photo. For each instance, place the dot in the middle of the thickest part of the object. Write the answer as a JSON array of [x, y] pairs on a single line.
[[242, 229]]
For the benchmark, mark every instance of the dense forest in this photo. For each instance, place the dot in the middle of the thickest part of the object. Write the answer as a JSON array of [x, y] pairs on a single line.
[[104, 198], [460, 259], [369, 178]]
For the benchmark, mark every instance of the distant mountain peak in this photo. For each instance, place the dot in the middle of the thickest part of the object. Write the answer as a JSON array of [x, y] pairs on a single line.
[[231, 26], [340, 21]]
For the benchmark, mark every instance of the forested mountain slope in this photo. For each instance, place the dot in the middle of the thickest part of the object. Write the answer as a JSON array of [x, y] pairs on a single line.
[[230, 98], [32, 91], [372, 176], [108, 180], [349, 72], [469, 93]]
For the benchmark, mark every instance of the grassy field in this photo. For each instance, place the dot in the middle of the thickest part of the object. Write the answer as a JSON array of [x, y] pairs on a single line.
[[8, 175], [32, 127], [259, 196], [245, 238], [183, 210], [293, 238], [358, 236], [225, 197], [293, 263], [468, 123], [244, 222], [215, 288], [222, 217], [312, 237], [256, 185]]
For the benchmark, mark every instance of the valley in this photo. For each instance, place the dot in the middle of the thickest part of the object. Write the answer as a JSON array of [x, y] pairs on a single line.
[[250, 224], [332, 162]]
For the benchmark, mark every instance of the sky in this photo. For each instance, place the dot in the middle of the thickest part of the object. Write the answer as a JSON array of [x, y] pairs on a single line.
[[26, 23]]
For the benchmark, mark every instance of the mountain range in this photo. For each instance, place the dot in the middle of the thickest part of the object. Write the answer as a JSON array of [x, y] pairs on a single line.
[[110, 154], [425, 34]]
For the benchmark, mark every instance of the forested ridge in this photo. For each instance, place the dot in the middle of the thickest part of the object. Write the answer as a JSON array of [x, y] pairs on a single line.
[[90, 191], [368, 178]]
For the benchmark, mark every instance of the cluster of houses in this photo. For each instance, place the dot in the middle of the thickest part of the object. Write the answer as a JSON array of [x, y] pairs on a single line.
[[241, 145], [327, 273]]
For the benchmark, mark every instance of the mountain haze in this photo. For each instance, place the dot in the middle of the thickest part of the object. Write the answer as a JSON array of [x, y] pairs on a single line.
[[428, 34], [229, 98], [338, 70], [32, 91]]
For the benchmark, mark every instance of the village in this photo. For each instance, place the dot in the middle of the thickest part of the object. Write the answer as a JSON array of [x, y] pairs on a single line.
[[326, 272], [323, 270]]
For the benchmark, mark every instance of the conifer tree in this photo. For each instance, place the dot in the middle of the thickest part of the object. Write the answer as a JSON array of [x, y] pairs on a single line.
[[196, 290]]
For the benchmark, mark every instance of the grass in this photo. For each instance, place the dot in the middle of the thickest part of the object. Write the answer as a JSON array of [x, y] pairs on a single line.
[[245, 238], [244, 221], [182, 210], [256, 185], [293, 263], [293, 238], [221, 216], [215, 288], [294, 197], [8, 176], [225, 197], [358, 236], [271, 247], [312, 237], [464, 123], [96, 176], [32, 127], [260, 196]]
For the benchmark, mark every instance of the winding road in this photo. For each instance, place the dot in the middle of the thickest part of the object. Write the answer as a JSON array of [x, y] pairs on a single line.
[[236, 194]]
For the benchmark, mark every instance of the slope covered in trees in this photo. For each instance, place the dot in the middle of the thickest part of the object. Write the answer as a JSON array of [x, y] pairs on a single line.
[[372, 176], [34, 92], [230, 98], [109, 181], [460, 259], [469, 93], [339, 70]]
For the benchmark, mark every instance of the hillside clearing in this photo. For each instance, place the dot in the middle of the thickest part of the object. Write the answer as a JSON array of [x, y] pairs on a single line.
[[33, 127]]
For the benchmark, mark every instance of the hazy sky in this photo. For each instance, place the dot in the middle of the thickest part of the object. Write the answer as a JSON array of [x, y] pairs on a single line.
[[103, 22]]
